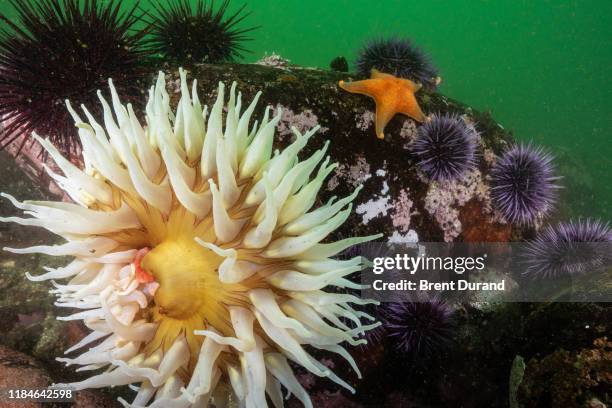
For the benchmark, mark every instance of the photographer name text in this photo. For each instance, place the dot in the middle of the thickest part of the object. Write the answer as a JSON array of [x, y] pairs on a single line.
[[425, 285]]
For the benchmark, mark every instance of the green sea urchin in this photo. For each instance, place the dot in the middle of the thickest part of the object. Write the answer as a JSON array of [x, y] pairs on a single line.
[[58, 50], [188, 33], [198, 262]]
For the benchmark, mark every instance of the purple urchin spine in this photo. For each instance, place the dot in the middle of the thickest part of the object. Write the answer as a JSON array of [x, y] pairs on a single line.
[[57, 50], [523, 184], [399, 57], [445, 147], [185, 32], [419, 327], [568, 248]]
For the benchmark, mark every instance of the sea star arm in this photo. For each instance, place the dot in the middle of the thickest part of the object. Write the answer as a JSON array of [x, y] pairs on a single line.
[[412, 85], [410, 107], [392, 95], [358, 87], [383, 116]]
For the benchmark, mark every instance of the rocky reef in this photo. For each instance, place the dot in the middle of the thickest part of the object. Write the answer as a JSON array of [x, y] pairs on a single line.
[[396, 200], [568, 379]]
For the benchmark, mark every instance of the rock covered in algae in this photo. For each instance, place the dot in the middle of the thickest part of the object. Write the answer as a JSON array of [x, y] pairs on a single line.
[[396, 199], [27, 318], [20, 371], [476, 367], [569, 379], [31, 335]]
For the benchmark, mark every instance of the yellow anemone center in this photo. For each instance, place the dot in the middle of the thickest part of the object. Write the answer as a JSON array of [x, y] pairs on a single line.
[[187, 277], [190, 295]]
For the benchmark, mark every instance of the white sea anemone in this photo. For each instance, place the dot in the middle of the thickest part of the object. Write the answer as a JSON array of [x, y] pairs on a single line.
[[198, 263]]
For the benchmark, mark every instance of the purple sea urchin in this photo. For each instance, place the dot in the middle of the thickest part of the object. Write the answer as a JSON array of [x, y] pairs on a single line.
[[445, 147], [187, 33], [523, 184], [420, 326], [399, 57], [57, 50], [568, 248]]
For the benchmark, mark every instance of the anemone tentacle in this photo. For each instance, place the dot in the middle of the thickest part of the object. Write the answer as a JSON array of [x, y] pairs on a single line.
[[199, 266]]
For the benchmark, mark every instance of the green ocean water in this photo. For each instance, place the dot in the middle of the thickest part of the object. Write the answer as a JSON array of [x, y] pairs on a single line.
[[542, 68]]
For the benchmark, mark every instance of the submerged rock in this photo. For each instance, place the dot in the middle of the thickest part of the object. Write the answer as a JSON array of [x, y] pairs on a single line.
[[396, 199], [26, 308], [569, 379], [20, 371], [310, 97]]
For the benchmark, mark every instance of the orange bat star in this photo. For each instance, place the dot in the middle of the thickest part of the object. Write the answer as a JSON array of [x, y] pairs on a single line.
[[391, 94]]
